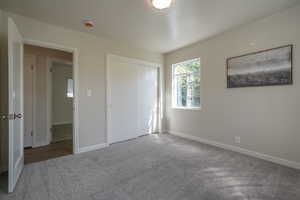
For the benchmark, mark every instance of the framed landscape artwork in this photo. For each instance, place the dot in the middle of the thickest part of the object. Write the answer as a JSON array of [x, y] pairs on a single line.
[[263, 68]]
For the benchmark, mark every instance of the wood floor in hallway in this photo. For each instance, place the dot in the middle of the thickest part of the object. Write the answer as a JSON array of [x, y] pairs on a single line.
[[50, 151]]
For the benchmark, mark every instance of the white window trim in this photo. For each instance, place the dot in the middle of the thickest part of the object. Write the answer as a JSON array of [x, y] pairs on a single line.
[[174, 96]]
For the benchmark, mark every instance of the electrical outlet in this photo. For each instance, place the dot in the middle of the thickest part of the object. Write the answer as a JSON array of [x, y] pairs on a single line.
[[237, 139]]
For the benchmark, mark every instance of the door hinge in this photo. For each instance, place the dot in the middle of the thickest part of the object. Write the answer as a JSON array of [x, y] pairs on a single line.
[[32, 67]]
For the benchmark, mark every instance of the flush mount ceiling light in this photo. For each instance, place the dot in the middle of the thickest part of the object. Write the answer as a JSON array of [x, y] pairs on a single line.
[[161, 4], [88, 24]]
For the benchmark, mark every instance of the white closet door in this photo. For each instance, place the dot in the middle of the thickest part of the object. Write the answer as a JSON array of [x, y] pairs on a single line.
[[147, 100], [131, 99], [123, 101]]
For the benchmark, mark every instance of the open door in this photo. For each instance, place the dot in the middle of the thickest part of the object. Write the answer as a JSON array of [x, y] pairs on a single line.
[[15, 97]]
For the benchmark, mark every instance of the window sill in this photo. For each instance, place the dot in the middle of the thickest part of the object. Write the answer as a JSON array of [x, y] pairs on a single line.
[[183, 108]]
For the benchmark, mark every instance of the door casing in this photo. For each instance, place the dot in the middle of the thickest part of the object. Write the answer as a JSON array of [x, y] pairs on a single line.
[[74, 52]]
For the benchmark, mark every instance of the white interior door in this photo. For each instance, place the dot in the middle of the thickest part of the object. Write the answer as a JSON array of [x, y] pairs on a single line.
[[29, 63], [15, 77], [131, 99]]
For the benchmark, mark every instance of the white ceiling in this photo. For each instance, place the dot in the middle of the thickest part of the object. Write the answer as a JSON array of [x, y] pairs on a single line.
[[136, 23]]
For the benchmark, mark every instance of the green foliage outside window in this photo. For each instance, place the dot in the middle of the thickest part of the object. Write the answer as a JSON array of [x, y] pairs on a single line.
[[187, 83]]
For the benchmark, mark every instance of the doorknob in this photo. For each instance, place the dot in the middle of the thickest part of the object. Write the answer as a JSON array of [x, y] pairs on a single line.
[[19, 116]]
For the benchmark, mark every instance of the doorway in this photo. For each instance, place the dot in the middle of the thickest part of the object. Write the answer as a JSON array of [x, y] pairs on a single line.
[[48, 103]]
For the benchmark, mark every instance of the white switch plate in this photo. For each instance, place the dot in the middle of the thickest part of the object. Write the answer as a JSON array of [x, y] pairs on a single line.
[[89, 92]]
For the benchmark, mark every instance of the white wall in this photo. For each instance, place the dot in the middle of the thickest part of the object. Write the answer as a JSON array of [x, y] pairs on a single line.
[[266, 118], [62, 106], [92, 62]]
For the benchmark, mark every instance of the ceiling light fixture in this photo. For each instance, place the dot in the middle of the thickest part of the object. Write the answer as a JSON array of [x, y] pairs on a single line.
[[161, 4], [88, 24]]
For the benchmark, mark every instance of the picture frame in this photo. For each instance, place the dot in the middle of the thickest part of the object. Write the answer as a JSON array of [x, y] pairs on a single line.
[[262, 68]]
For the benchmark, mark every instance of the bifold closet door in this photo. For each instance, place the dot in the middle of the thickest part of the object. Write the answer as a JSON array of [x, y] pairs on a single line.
[[122, 101], [131, 100], [147, 98]]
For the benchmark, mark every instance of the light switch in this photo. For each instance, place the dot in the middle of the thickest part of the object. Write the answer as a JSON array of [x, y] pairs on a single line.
[[89, 92]]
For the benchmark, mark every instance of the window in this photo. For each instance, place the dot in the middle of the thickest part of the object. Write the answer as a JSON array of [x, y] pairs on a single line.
[[70, 88], [186, 84]]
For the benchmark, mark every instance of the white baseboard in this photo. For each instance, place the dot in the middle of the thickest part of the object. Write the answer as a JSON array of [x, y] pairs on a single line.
[[163, 131], [92, 148], [255, 154], [61, 123], [40, 144]]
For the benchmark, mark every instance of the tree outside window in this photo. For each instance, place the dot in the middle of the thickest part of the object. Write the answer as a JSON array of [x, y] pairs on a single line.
[[186, 84]]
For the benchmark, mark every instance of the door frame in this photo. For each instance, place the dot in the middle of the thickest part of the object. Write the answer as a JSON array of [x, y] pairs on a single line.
[[160, 89], [74, 52]]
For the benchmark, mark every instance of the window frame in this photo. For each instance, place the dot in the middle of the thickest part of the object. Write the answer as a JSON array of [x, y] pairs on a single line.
[[174, 92]]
